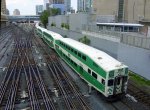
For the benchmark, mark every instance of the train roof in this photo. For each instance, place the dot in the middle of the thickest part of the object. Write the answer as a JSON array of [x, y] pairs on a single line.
[[53, 34], [101, 58]]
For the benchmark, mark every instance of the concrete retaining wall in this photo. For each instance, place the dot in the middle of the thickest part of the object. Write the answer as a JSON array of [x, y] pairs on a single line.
[[106, 45], [138, 59]]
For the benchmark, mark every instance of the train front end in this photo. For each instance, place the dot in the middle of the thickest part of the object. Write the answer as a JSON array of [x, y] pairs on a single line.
[[117, 82]]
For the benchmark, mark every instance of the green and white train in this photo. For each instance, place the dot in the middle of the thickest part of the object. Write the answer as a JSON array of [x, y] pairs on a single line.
[[98, 69]]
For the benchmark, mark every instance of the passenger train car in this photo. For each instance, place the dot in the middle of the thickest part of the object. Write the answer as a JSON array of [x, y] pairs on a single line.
[[98, 69]]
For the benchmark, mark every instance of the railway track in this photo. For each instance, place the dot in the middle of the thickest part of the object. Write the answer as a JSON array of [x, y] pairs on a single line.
[[22, 62], [5, 41], [139, 95]]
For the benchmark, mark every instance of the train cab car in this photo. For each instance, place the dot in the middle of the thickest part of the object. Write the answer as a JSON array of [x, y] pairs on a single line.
[[98, 69]]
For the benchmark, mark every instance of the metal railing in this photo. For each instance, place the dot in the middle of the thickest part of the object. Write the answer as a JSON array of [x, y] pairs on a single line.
[[134, 39], [142, 42]]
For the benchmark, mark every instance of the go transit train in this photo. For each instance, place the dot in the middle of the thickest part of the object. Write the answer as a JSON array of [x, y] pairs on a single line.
[[98, 69]]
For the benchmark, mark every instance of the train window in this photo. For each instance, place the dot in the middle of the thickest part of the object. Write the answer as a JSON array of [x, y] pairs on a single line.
[[68, 47], [94, 75], [103, 81], [84, 57], [75, 52], [56, 46], [89, 71], [79, 54], [75, 64], [110, 82], [71, 61], [71, 49]]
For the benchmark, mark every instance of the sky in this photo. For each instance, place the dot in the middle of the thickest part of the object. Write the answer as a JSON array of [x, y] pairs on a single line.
[[27, 7]]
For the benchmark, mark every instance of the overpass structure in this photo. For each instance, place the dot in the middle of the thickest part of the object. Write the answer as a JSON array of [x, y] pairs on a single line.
[[23, 18]]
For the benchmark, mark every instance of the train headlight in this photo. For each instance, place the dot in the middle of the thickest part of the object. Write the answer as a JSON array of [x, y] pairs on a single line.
[[125, 86], [109, 91], [125, 83]]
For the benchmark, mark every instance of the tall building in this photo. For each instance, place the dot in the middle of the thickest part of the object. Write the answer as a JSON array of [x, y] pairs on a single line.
[[121, 7], [131, 11], [3, 6], [67, 4], [56, 1], [84, 5], [7, 12], [105, 7], [16, 12], [47, 3], [39, 9], [3, 13], [63, 5], [137, 11]]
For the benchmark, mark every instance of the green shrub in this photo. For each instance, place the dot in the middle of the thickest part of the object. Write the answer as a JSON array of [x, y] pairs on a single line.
[[85, 40], [140, 80], [67, 26], [62, 25], [53, 24]]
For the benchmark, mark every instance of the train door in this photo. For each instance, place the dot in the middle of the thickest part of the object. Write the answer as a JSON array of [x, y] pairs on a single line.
[[81, 70], [118, 85]]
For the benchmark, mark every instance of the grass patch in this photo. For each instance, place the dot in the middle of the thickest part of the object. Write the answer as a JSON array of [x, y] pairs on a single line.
[[138, 79]]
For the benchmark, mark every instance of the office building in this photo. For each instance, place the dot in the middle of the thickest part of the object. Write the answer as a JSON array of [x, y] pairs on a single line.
[[7, 12], [47, 3], [137, 11], [39, 9], [61, 7], [67, 4], [131, 11], [84, 5], [3, 14], [3, 6]]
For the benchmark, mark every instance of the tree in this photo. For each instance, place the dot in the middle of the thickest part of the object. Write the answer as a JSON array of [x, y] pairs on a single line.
[[46, 13], [55, 11], [44, 17]]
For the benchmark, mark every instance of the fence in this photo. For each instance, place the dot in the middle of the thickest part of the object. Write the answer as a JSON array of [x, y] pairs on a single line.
[[134, 39]]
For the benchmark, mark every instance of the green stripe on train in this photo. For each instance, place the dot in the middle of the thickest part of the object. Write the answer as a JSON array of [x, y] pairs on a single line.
[[89, 62], [83, 73]]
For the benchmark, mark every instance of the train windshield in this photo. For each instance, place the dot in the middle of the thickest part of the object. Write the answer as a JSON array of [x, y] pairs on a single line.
[[110, 82]]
